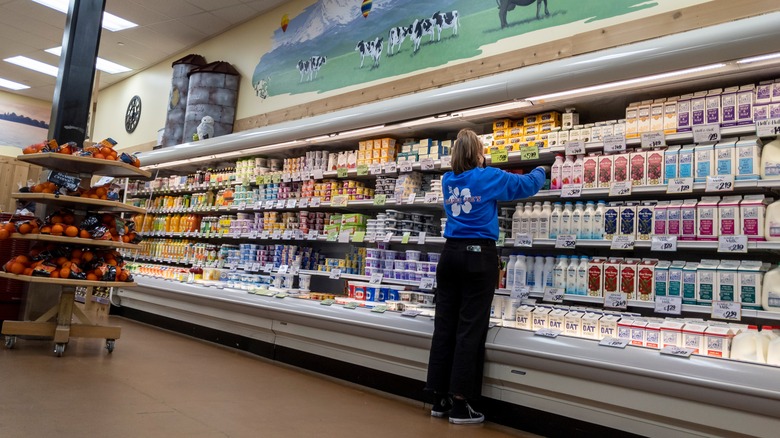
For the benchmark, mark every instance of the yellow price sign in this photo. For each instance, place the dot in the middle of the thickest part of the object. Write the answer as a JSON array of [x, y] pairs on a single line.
[[341, 172], [362, 170], [499, 157], [529, 153]]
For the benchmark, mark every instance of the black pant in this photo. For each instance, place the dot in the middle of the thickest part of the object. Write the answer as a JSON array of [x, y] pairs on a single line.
[[466, 276]]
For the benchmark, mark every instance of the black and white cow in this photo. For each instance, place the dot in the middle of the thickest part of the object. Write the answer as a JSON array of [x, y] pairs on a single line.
[[370, 48], [446, 20], [315, 64], [397, 37], [304, 68], [420, 28], [261, 88]]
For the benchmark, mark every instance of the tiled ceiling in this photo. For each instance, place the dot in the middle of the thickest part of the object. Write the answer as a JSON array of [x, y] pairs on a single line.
[[165, 28]]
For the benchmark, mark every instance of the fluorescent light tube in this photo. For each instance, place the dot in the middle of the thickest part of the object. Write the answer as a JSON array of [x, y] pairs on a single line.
[[101, 64], [32, 64], [759, 58], [495, 108], [110, 22], [11, 85]]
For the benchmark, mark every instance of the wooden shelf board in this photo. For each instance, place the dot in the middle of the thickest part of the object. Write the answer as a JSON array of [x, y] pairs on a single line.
[[83, 165], [65, 281], [75, 241], [99, 204]]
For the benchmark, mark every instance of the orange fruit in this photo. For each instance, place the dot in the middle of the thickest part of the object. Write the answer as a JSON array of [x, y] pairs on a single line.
[[25, 228], [16, 268], [10, 227], [56, 219], [92, 277], [68, 219], [37, 188], [76, 254], [84, 234], [61, 260], [100, 191], [22, 259], [87, 256], [27, 271], [4, 234], [71, 231], [64, 272], [57, 230], [94, 197], [55, 274], [99, 156], [46, 229]]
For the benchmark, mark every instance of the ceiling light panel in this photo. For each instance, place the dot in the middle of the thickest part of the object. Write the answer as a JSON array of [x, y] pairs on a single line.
[[32, 64], [11, 85], [110, 21], [101, 64]]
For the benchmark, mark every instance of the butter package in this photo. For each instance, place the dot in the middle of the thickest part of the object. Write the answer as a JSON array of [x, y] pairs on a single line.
[[655, 168], [705, 161], [643, 116], [660, 219], [573, 323], [688, 220], [657, 115], [606, 163], [638, 168], [706, 281], [699, 108], [552, 137], [523, 317], [586, 133], [728, 102], [686, 162], [671, 163], [671, 333], [725, 158], [501, 133], [590, 325], [563, 137], [516, 131], [540, 317], [745, 101], [717, 339], [728, 217], [684, 122], [632, 120], [728, 280], [670, 116], [608, 327], [645, 283], [596, 131], [644, 226], [693, 337], [713, 104], [556, 319], [501, 124], [750, 278], [639, 333], [553, 117], [673, 218], [662, 278], [653, 334], [748, 156], [619, 128], [574, 133], [707, 215], [689, 283]]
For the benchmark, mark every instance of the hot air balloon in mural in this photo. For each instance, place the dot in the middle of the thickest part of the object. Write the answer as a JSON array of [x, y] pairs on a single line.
[[285, 22], [365, 8]]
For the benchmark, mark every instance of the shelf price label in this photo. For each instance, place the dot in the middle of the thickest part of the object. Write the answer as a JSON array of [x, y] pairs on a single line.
[[315, 202], [529, 153], [405, 167], [664, 243], [280, 204], [524, 240], [380, 199], [421, 238], [575, 148], [390, 167], [571, 191], [339, 201], [313, 234], [283, 269], [291, 203], [446, 161], [655, 139], [316, 174], [351, 305], [668, 305], [727, 310], [680, 185], [616, 301], [276, 235], [287, 235], [427, 283], [359, 236], [265, 234], [376, 278], [566, 241], [303, 202], [286, 177], [677, 351], [721, 183], [405, 237], [332, 236], [426, 164], [342, 172], [623, 243], [553, 294], [706, 133], [431, 198], [375, 169], [500, 156], [412, 197], [327, 302], [362, 170], [241, 205], [388, 237], [379, 309], [548, 333], [335, 274], [614, 342], [620, 188], [411, 313], [732, 244], [501, 239], [614, 143], [268, 267], [768, 128]]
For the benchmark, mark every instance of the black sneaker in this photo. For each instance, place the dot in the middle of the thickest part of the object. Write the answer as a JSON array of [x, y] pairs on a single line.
[[442, 406], [462, 413]]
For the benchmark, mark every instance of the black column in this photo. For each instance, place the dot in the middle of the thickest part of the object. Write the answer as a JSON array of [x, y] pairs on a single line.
[[73, 93]]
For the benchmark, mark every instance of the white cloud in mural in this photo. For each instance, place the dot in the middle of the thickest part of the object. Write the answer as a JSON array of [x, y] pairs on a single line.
[[321, 17]]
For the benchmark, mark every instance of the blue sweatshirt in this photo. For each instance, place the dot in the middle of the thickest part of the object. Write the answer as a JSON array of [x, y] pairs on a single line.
[[471, 199]]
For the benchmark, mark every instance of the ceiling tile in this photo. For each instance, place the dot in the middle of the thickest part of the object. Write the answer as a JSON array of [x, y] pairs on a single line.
[[206, 20], [211, 5], [262, 6], [136, 12], [170, 8], [236, 14], [178, 32]]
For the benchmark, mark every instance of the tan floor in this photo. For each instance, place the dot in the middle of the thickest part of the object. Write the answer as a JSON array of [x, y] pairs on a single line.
[[161, 384]]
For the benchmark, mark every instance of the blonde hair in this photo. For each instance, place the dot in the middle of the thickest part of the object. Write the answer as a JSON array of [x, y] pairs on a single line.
[[466, 151]]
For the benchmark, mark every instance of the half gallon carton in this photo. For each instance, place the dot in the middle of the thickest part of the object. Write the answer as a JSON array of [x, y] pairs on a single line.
[[645, 285], [644, 215], [611, 276], [670, 116], [655, 167], [628, 278], [673, 218], [699, 108], [728, 102], [590, 325], [745, 100], [657, 115], [595, 276], [688, 220], [684, 113], [713, 105], [707, 218], [675, 288], [671, 163], [689, 283], [653, 334], [728, 280], [686, 161], [725, 158], [671, 333], [705, 161], [707, 281], [728, 216], [750, 278], [717, 340], [752, 212], [660, 220], [748, 154], [661, 280]]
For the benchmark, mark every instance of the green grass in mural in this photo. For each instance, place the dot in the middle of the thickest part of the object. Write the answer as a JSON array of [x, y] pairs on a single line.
[[477, 29]]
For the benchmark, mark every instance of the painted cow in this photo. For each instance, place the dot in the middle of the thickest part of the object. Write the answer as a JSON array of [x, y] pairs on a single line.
[[505, 6], [315, 64], [446, 20], [396, 38], [304, 68], [420, 28], [371, 49]]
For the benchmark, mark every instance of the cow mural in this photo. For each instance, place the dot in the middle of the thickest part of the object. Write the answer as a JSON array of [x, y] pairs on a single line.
[[372, 49], [396, 38], [309, 68], [261, 88], [420, 28], [505, 6], [446, 20]]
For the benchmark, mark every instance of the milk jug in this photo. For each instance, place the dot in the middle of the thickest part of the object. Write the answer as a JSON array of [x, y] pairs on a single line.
[[516, 217], [525, 219], [571, 276], [533, 221], [567, 171], [587, 220], [772, 222], [539, 277], [556, 176], [555, 220], [576, 219], [566, 218], [510, 272], [770, 160], [544, 221], [559, 273], [598, 221], [770, 298], [547, 273], [521, 270]]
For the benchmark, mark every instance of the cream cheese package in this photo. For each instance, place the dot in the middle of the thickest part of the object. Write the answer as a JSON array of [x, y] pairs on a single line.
[[748, 155]]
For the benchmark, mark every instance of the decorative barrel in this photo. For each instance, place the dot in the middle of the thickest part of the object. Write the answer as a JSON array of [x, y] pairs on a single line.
[[177, 99], [213, 92]]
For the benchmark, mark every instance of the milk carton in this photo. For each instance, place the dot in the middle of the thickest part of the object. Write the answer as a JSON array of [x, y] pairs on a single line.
[[563, 137], [671, 333], [713, 103], [556, 319], [725, 158], [620, 167], [750, 278], [760, 112], [763, 93], [670, 116], [748, 156], [752, 213], [638, 168], [615, 326], [660, 220], [643, 114], [611, 220], [552, 137], [655, 167], [523, 317], [675, 288], [569, 119], [686, 162], [693, 337], [728, 216], [595, 276], [639, 333], [776, 91], [699, 108], [689, 283], [706, 281], [688, 220], [646, 276], [628, 278], [728, 101], [573, 323], [684, 113], [540, 317], [590, 171], [728, 282], [717, 340], [662, 278], [657, 115], [644, 225], [671, 163], [745, 99], [606, 163], [628, 219], [705, 161], [653, 334], [590, 325], [673, 218], [707, 218], [611, 276]]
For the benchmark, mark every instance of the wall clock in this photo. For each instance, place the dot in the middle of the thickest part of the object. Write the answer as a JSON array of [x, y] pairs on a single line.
[[133, 114]]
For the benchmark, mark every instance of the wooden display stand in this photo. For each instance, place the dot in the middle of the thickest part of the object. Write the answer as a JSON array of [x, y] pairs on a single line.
[[58, 322]]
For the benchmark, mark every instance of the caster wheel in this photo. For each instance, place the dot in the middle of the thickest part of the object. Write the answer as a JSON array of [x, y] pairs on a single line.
[[110, 343], [10, 341], [59, 349]]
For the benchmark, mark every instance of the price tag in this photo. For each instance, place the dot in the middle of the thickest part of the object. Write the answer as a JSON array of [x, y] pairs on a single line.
[[575, 148], [722, 183], [529, 153], [421, 238], [520, 292], [297, 176], [380, 199], [412, 197], [269, 205], [655, 139], [553, 294], [677, 351], [524, 240], [316, 173], [501, 239], [768, 128], [620, 188], [390, 167], [280, 203], [277, 234], [548, 333], [571, 191], [614, 342], [266, 293], [376, 278], [362, 170], [315, 202], [614, 143], [668, 305], [332, 236], [405, 237], [351, 305], [371, 237], [339, 201], [327, 302], [733, 244], [255, 267], [335, 274], [313, 234], [303, 202], [706, 133], [680, 185], [281, 295], [411, 313], [426, 164], [265, 235], [375, 169], [623, 243], [286, 177], [664, 243], [268, 267], [499, 157], [379, 309], [359, 236], [566, 241], [287, 235], [342, 172], [283, 269], [727, 310], [405, 167], [616, 301], [427, 283], [446, 162], [431, 198], [388, 237], [291, 203]]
